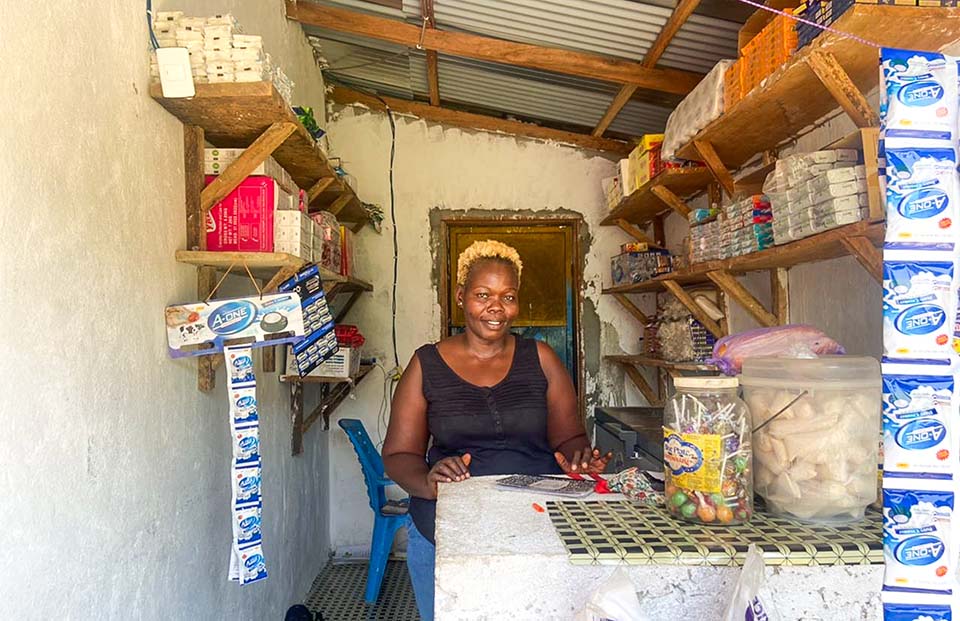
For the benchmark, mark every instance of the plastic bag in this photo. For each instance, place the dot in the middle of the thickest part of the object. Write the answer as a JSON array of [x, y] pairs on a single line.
[[614, 600], [792, 341], [746, 605]]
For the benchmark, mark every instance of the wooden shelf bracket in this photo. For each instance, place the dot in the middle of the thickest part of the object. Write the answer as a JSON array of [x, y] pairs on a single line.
[[680, 293], [671, 200], [867, 254], [841, 87], [732, 288], [642, 384], [240, 169], [780, 294], [631, 308], [709, 156], [207, 365], [635, 232], [331, 396]]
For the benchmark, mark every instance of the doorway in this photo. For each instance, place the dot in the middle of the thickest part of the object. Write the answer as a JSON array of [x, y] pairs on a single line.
[[549, 288]]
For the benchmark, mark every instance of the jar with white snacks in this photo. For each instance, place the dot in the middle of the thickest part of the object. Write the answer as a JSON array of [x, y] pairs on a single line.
[[817, 460]]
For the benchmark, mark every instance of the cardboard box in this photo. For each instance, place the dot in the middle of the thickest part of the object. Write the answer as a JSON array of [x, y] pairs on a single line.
[[243, 221], [647, 166], [626, 174], [342, 365], [346, 251], [650, 141]]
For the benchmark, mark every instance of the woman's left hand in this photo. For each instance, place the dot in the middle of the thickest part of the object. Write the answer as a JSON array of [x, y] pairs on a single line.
[[584, 461]]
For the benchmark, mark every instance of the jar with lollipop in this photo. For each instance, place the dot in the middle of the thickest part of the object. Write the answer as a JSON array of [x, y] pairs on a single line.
[[707, 454]]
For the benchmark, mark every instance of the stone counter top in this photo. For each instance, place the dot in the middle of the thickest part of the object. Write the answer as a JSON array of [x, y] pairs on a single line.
[[498, 557]]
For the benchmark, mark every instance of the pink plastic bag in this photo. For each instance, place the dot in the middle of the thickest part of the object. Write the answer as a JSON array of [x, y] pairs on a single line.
[[793, 341]]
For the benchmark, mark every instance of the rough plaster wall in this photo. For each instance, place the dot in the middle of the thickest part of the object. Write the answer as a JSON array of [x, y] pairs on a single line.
[[453, 169], [113, 467]]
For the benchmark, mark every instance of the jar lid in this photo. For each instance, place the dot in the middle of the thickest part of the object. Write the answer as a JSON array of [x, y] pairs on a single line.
[[842, 371], [705, 382]]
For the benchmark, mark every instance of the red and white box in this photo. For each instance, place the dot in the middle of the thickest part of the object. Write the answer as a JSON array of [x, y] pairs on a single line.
[[244, 220]]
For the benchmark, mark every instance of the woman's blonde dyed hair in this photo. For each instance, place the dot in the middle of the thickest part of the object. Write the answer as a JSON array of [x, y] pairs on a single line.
[[489, 249]]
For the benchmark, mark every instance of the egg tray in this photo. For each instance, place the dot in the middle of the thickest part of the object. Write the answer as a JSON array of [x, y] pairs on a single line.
[[621, 532]]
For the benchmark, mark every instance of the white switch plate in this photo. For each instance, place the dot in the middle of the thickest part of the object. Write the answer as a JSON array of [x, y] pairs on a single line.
[[176, 79]]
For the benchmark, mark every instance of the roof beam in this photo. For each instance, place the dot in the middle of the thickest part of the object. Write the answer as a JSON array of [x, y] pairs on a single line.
[[433, 74], [346, 96], [681, 13], [494, 50]]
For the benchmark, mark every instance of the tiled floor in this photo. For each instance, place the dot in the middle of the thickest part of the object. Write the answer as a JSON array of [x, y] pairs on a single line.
[[338, 594]]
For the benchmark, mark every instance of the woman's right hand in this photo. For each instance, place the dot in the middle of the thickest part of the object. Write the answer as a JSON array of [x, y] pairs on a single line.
[[449, 470]]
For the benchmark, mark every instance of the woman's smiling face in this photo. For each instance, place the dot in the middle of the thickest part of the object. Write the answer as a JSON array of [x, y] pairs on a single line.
[[489, 298]]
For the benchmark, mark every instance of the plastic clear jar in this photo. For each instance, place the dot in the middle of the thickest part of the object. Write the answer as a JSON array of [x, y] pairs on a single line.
[[707, 452], [817, 460]]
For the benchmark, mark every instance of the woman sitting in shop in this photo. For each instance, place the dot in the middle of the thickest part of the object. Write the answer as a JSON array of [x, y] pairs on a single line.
[[492, 403]]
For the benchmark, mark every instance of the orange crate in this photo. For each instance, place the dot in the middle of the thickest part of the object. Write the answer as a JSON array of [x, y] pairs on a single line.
[[732, 85]]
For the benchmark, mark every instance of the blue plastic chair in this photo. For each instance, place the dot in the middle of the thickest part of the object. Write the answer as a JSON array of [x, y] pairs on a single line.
[[385, 524]]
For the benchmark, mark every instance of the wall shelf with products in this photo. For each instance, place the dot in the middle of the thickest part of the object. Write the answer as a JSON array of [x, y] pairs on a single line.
[[253, 115], [831, 71]]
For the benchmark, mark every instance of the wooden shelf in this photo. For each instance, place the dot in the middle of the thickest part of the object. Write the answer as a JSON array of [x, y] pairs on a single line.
[[644, 205], [332, 395], [266, 265], [645, 361], [794, 97], [296, 379], [235, 115], [821, 247]]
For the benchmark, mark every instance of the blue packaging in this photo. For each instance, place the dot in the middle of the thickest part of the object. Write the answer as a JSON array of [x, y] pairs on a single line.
[[246, 486], [914, 606], [917, 535], [919, 99], [247, 525], [921, 192], [919, 302], [919, 412]]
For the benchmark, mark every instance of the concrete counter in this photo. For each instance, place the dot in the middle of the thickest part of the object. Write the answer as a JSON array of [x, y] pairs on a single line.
[[498, 558]]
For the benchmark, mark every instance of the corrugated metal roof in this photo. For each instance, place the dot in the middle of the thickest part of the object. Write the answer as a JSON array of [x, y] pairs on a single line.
[[619, 28]]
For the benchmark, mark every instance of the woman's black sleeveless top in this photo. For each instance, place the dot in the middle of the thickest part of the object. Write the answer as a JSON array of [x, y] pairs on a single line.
[[503, 427]]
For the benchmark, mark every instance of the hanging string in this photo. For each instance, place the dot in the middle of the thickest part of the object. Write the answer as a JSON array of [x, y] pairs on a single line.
[[227, 273], [797, 18]]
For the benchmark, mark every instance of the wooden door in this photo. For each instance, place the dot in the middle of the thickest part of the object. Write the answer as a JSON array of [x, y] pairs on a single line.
[[549, 287]]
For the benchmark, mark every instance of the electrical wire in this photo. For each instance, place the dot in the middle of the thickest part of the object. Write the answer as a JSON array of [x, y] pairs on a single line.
[[153, 37]]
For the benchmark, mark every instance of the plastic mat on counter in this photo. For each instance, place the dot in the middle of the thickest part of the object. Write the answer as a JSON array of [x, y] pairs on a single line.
[[615, 532]]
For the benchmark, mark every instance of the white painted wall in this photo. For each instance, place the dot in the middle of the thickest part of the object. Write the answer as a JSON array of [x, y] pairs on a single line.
[[454, 169], [113, 467]]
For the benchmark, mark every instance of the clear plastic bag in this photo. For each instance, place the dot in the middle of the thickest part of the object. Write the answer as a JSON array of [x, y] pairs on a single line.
[[792, 341], [745, 604], [614, 600]]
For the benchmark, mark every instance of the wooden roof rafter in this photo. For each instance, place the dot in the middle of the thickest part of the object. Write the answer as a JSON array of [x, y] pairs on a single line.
[[469, 120], [467, 45], [681, 13], [433, 72]]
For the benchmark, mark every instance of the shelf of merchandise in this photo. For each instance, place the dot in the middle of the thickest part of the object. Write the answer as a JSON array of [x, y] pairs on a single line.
[[831, 70], [333, 391], [830, 244], [659, 195], [244, 115]]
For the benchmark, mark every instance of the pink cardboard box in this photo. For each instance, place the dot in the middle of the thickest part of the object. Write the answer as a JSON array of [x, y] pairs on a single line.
[[243, 221]]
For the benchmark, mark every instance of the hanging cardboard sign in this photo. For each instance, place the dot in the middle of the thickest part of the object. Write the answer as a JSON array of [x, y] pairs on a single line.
[[202, 328]]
